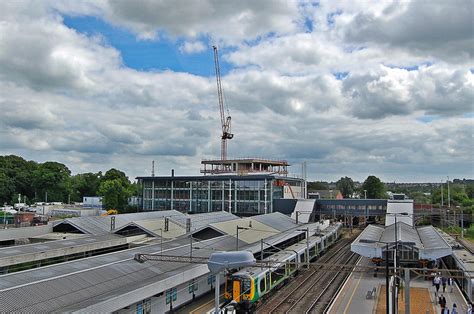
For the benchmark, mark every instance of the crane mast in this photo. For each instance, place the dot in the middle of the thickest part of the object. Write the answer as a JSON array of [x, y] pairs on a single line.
[[225, 121]]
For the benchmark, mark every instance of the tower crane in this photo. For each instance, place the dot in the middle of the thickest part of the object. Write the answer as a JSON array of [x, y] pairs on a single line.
[[225, 120]]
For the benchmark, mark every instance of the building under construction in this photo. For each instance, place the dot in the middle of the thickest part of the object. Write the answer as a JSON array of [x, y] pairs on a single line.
[[246, 186], [240, 186]]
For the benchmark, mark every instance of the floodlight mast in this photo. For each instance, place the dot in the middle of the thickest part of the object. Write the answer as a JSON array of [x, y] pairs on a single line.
[[225, 121]]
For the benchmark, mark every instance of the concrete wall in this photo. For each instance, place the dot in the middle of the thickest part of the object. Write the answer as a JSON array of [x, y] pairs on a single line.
[[24, 232], [395, 207]]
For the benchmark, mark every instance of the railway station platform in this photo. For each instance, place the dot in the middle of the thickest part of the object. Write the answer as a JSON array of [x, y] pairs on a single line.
[[352, 298]]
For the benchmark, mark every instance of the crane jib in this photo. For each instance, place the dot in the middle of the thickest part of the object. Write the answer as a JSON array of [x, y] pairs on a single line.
[[225, 121]]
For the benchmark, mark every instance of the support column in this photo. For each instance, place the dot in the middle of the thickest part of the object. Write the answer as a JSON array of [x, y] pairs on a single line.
[[209, 203], [153, 195], [172, 194], [218, 285], [407, 290]]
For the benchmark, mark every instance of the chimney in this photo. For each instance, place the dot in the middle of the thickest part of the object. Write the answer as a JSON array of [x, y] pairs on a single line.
[[167, 224], [112, 223], [188, 225]]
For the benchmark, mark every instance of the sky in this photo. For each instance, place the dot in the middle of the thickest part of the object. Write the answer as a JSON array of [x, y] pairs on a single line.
[[354, 88]]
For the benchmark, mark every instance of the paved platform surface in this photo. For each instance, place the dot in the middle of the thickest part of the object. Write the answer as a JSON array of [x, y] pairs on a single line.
[[352, 297]]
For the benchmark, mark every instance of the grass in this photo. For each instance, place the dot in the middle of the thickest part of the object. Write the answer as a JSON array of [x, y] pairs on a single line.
[[468, 233]]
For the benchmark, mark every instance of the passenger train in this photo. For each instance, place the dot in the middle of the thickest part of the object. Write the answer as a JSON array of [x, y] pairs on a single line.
[[250, 285]]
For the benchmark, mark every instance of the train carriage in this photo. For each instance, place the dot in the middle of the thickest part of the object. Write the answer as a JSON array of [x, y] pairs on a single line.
[[248, 286]]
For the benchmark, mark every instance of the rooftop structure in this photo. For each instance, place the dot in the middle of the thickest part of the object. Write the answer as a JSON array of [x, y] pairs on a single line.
[[116, 282], [244, 166], [414, 244]]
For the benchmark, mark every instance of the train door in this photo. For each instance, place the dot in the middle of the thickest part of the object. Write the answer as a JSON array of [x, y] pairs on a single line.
[[236, 290]]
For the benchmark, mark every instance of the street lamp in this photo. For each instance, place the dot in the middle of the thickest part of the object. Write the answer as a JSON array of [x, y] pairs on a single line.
[[449, 196], [386, 269], [395, 259], [237, 238], [387, 283]]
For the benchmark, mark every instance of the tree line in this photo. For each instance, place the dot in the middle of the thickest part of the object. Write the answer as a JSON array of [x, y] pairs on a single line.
[[461, 192], [52, 181]]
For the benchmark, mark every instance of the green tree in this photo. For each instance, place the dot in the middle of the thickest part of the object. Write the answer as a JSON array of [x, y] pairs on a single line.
[[470, 190], [115, 188], [318, 185], [51, 177], [374, 187], [115, 195], [20, 174], [346, 186], [113, 174], [7, 188], [85, 184]]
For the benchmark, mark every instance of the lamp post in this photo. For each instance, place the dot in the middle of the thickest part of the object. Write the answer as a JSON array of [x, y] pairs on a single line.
[[161, 241], [237, 238], [387, 303], [449, 195], [442, 196], [395, 259]]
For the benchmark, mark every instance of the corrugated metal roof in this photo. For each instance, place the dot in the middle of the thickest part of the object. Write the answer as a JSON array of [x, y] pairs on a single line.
[[427, 240], [153, 226], [59, 245], [277, 221], [99, 225], [405, 233], [64, 287], [430, 238], [254, 231]]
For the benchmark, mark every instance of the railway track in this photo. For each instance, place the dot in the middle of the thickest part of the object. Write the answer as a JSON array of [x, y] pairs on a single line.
[[312, 291]]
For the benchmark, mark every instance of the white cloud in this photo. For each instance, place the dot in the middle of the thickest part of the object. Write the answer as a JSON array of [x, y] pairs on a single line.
[[69, 97], [190, 47], [229, 21]]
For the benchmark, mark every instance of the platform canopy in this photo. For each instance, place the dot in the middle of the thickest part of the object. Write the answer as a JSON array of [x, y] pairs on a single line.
[[422, 243]]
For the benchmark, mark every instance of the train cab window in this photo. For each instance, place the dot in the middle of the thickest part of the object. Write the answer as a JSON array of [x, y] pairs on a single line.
[[228, 284], [262, 285], [246, 285]]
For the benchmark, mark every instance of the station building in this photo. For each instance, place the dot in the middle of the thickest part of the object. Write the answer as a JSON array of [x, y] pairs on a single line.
[[91, 268], [240, 186]]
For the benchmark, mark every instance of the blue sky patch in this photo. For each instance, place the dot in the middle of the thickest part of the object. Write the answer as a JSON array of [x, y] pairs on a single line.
[[414, 67], [331, 17], [147, 55], [427, 118], [340, 75]]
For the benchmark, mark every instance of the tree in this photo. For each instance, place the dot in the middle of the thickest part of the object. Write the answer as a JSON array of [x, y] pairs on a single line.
[[115, 195], [115, 188], [85, 184], [113, 174], [374, 187], [318, 185], [7, 188], [51, 177], [470, 190], [346, 186]]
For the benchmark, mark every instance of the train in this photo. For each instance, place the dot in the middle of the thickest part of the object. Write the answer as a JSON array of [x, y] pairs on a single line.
[[245, 288], [458, 260]]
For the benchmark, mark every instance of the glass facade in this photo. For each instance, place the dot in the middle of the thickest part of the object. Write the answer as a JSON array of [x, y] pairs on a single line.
[[239, 194]]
